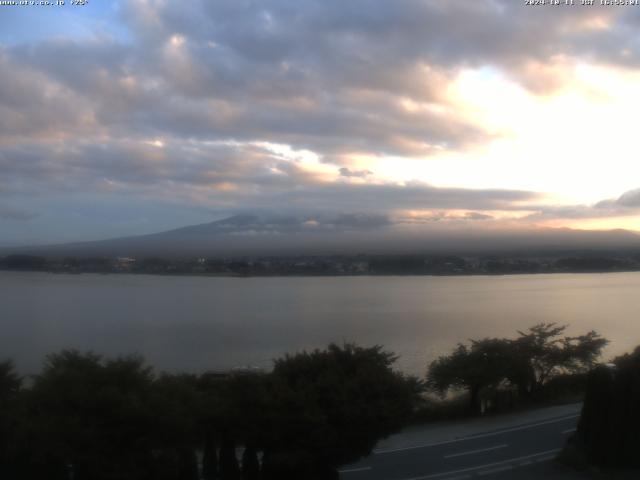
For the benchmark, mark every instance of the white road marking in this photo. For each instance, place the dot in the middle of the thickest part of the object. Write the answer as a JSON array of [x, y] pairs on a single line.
[[473, 437], [487, 465], [569, 430], [353, 470], [471, 452], [544, 459], [495, 470]]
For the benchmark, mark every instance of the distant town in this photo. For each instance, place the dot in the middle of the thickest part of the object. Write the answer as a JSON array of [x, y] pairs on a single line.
[[331, 265]]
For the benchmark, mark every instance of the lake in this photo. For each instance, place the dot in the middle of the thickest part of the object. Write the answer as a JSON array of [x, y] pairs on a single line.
[[199, 323]]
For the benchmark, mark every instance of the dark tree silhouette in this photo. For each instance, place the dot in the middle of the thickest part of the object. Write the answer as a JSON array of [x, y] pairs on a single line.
[[528, 362], [10, 385], [485, 363], [89, 416], [174, 403], [211, 420], [10, 381], [23, 262], [330, 407], [541, 353], [610, 421], [250, 464]]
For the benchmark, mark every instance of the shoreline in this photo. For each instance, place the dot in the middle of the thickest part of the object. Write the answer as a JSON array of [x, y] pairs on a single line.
[[320, 275]]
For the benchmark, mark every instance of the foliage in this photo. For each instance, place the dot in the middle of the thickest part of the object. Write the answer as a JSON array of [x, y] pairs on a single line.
[[10, 388], [543, 354], [89, 415], [92, 418], [23, 262], [334, 405], [608, 429], [484, 363], [527, 363], [10, 382]]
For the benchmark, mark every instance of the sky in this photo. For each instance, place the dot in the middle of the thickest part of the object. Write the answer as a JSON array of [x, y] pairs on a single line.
[[135, 116]]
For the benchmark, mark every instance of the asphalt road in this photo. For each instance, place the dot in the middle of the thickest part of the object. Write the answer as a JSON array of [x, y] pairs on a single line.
[[518, 451]]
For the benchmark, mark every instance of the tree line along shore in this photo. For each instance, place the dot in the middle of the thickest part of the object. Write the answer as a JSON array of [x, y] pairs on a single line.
[[495, 264]]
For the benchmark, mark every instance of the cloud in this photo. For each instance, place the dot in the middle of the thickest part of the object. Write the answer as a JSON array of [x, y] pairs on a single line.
[[186, 104], [443, 216], [630, 199], [8, 212], [346, 172], [627, 204], [368, 43], [325, 76], [291, 224], [228, 176], [395, 197], [477, 216], [360, 221]]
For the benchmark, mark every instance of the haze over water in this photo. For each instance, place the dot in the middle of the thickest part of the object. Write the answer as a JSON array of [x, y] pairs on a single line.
[[199, 323]]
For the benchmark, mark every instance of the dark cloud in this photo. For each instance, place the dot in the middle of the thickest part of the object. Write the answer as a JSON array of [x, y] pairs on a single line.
[[626, 204], [229, 176], [346, 172], [360, 221], [630, 199], [477, 216], [393, 197], [444, 216], [381, 46], [254, 224]]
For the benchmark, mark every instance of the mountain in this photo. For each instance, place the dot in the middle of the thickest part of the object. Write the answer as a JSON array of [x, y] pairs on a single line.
[[345, 234]]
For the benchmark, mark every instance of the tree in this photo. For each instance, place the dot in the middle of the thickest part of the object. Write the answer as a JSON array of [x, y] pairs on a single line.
[[245, 399], [23, 262], [528, 362], [10, 382], [93, 418], [485, 363], [330, 407], [231, 413], [209, 416], [609, 423], [250, 463], [173, 403], [541, 353], [10, 389], [90, 415]]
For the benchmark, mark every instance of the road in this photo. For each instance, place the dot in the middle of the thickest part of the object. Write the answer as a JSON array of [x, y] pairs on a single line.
[[494, 453]]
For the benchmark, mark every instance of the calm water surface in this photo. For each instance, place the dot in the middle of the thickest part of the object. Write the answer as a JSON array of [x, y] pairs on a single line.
[[199, 323]]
